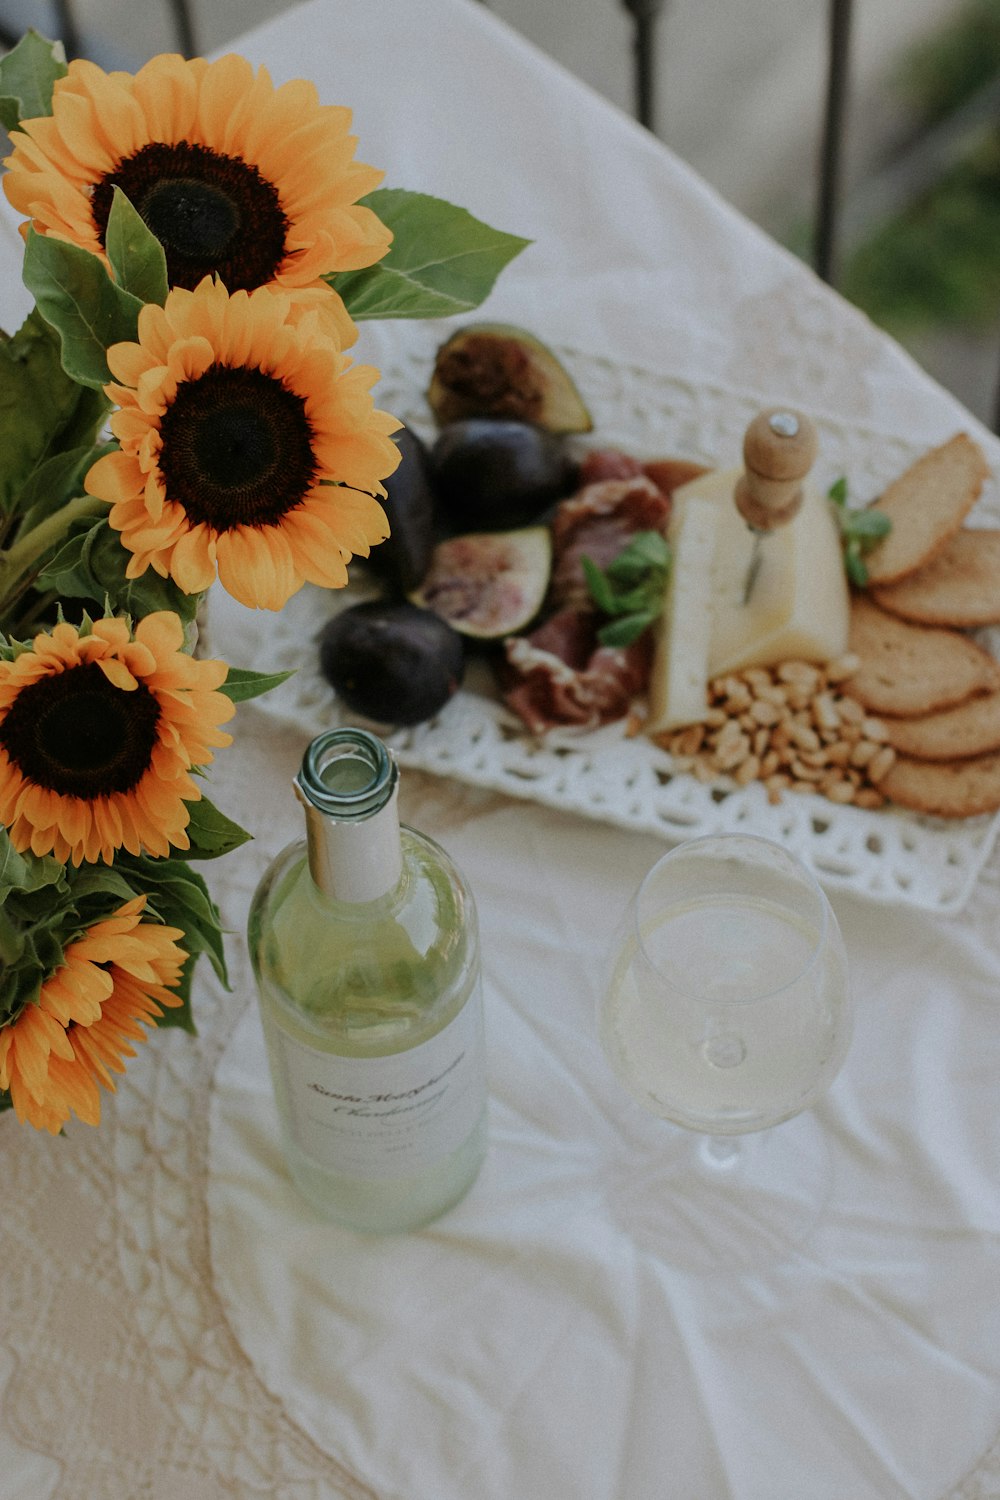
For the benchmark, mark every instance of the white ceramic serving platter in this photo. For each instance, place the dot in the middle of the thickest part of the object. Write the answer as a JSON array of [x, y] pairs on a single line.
[[887, 855]]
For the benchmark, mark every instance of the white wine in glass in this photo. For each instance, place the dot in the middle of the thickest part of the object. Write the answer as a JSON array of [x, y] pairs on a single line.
[[727, 1010]]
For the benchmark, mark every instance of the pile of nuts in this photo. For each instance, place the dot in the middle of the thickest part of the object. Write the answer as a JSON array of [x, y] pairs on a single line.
[[793, 728]]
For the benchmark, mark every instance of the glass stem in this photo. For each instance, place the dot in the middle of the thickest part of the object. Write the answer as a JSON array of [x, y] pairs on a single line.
[[721, 1153]]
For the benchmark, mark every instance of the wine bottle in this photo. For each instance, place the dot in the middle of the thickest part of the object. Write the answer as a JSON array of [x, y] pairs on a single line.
[[365, 947]]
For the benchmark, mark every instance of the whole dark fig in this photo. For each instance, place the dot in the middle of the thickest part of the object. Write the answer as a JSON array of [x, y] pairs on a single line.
[[402, 559], [393, 663], [493, 475]]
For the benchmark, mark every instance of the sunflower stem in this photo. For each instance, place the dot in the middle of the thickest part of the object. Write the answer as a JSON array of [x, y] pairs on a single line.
[[33, 545]]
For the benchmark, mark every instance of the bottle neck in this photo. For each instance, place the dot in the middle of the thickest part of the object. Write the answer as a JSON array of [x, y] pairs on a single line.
[[356, 859]]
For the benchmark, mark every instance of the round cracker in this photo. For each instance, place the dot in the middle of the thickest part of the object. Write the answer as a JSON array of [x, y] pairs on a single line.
[[953, 789], [926, 505], [971, 728], [909, 669], [960, 587]]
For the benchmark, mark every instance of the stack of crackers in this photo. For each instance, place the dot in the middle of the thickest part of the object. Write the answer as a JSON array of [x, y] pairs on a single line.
[[933, 582]]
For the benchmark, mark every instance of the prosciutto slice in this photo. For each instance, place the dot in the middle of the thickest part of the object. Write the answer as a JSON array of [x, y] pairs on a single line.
[[560, 674], [597, 522]]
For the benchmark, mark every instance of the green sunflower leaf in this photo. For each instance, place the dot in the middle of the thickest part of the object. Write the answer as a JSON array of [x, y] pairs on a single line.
[[25, 872], [42, 410], [181, 1015], [180, 897], [75, 294], [27, 74], [101, 887], [56, 481], [442, 260], [136, 255], [242, 684], [91, 564], [211, 832]]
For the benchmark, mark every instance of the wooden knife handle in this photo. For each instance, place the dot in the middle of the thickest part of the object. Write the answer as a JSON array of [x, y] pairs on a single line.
[[779, 449]]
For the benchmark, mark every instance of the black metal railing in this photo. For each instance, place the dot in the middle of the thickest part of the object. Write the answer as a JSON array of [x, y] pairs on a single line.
[[66, 28], [828, 217], [646, 14], [646, 17]]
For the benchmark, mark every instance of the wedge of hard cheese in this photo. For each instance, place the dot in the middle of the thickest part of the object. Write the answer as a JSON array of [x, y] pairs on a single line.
[[799, 605], [678, 684]]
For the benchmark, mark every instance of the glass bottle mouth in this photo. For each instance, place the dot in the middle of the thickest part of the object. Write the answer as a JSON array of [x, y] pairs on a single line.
[[347, 774]]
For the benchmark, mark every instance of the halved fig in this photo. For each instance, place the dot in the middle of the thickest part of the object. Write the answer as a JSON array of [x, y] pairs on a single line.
[[498, 370], [488, 584]]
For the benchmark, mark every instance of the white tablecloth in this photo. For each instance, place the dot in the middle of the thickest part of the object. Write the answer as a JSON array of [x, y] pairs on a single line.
[[173, 1323]]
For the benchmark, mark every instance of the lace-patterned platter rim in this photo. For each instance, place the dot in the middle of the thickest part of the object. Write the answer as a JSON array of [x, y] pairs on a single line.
[[887, 855]]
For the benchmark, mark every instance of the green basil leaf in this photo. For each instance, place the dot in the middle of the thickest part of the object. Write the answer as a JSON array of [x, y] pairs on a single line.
[[854, 565], [838, 491], [441, 261], [627, 628], [644, 596], [869, 525], [75, 294], [649, 548], [598, 587], [136, 255], [27, 74]]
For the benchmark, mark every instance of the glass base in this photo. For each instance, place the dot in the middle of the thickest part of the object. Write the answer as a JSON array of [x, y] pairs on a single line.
[[740, 1203]]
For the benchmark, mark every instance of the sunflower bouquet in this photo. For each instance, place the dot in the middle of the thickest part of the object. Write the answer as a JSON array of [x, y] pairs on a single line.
[[177, 412]]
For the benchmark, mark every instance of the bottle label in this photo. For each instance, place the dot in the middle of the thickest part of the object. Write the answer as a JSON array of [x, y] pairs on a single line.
[[387, 1116]]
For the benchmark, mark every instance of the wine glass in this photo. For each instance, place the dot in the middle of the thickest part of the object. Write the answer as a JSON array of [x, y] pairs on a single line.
[[727, 1011]]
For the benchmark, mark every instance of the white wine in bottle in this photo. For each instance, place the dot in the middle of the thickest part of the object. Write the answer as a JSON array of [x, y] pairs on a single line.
[[364, 943]]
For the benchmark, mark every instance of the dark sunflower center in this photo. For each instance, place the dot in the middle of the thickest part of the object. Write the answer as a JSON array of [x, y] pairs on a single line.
[[237, 449], [76, 734], [211, 213]]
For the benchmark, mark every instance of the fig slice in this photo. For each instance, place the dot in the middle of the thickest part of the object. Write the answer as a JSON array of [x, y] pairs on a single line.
[[499, 370], [488, 584]]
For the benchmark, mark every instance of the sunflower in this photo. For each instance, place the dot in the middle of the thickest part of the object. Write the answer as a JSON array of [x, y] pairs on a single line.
[[255, 184], [120, 973], [99, 729], [249, 447]]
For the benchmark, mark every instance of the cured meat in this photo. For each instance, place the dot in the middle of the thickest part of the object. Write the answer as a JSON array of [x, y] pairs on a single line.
[[560, 674], [607, 463], [597, 522], [611, 463]]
